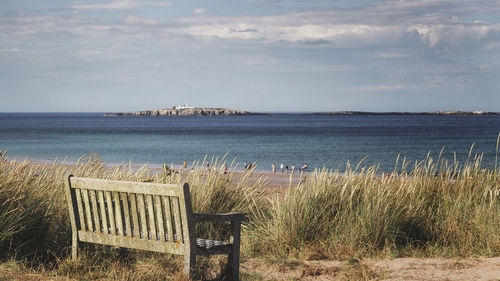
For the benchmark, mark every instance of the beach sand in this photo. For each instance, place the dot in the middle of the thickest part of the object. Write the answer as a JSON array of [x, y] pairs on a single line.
[[421, 269]]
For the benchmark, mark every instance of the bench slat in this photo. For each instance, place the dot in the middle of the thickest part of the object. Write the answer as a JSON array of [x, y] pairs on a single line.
[[125, 186], [168, 217], [177, 219], [118, 213], [111, 217], [93, 201], [135, 220], [85, 194], [102, 209], [126, 213], [142, 216], [151, 217], [80, 209], [119, 241], [159, 218]]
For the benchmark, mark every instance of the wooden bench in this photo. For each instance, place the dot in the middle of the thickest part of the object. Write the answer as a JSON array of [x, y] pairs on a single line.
[[145, 216]]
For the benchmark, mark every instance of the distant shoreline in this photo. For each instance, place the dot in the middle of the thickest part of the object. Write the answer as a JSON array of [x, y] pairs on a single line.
[[453, 112], [229, 112]]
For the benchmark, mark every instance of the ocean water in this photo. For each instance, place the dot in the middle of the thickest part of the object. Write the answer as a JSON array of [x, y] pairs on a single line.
[[319, 141]]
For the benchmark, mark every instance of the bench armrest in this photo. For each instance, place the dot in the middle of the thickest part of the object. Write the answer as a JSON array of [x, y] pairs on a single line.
[[233, 217]]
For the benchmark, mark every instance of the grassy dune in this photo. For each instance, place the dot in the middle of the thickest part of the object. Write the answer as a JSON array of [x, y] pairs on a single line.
[[430, 208]]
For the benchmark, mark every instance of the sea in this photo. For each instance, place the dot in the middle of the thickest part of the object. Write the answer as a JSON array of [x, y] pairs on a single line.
[[320, 141]]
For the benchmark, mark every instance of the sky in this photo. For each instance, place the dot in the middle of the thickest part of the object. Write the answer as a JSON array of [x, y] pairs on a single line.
[[257, 55]]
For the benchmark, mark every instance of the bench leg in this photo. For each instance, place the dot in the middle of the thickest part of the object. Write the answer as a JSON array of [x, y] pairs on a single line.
[[74, 247], [189, 264], [233, 263]]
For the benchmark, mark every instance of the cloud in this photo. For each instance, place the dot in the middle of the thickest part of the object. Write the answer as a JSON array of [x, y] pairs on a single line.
[[465, 33], [432, 24], [14, 50], [414, 24], [119, 5], [134, 20], [198, 11], [390, 55], [382, 88]]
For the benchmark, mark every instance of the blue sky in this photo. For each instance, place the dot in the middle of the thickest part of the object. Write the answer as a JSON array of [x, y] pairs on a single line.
[[258, 55]]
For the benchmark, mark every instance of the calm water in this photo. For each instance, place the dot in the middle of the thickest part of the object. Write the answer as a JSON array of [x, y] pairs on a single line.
[[319, 141]]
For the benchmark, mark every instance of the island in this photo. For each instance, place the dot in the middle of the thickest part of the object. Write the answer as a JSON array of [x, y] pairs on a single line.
[[185, 110]]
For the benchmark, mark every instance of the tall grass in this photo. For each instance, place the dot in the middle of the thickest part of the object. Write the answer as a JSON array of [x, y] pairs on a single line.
[[214, 191], [430, 208], [34, 222], [435, 208], [30, 215]]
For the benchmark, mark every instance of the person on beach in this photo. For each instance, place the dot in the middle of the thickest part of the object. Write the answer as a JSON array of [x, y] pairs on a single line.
[[185, 164], [208, 167], [304, 167], [293, 169], [274, 168], [287, 169], [225, 168], [282, 167]]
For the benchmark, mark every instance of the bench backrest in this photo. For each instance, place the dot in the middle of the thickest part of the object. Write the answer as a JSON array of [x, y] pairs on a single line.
[[147, 216]]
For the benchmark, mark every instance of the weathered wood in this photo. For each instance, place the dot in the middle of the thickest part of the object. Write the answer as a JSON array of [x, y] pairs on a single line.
[[159, 218], [168, 218], [111, 216], [119, 241], [234, 257], [163, 221], [188, 230], [177, 219], [151, 217], [95, 213], [202, 217], [135, 219], [118, 214], [126, 213], [79, 204], [102, 209], [86, 203], [187, 216], [71, 199], [126, 186], [189, 264], [223, 250], [142, 216]]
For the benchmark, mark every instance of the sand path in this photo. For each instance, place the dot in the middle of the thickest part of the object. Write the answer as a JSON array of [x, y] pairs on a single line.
[[418, 269]]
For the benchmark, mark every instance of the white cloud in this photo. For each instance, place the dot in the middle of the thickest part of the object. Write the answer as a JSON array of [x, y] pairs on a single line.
[[459, 33], [382, 88], [199, 11], [14, 50], [134, 20], [432, 23], [119, 5], [389, 24], [390, 55]]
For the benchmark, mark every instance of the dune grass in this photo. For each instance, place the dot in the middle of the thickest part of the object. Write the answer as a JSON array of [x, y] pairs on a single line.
[[428, 208], [435, 209]]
